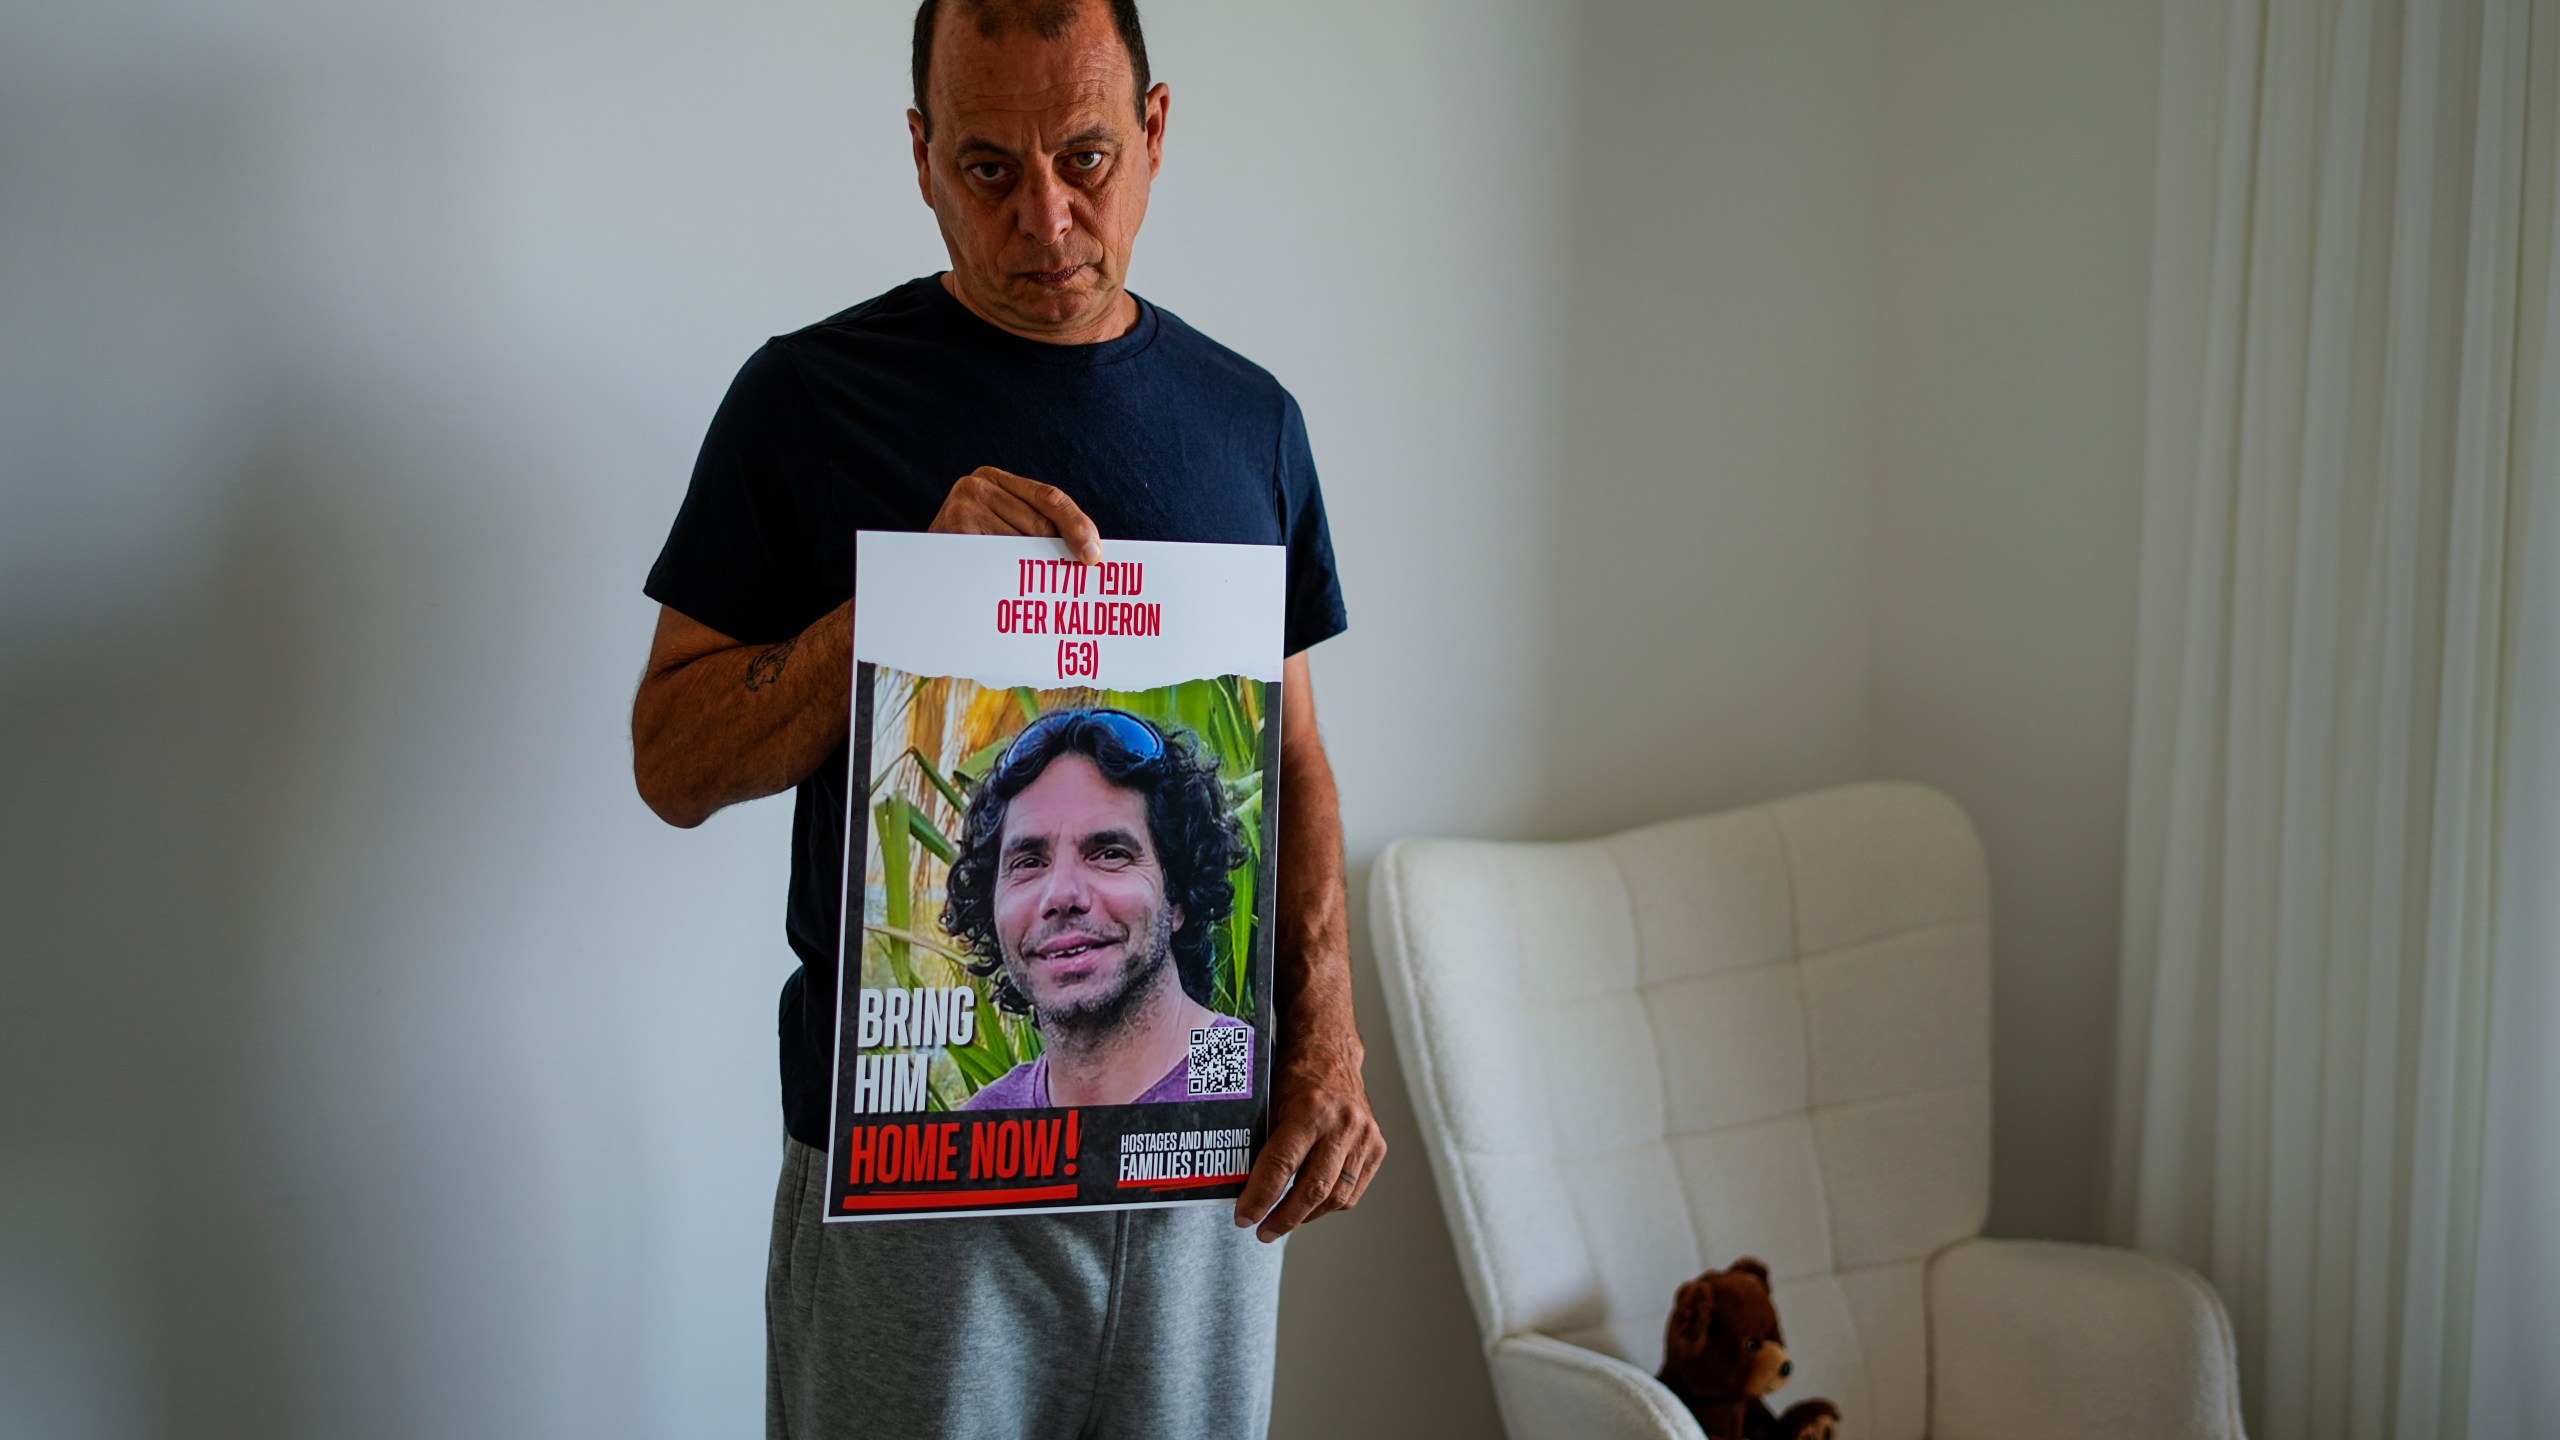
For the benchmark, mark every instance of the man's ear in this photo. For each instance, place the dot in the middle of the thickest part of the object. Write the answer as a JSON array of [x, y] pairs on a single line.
[[1176, 911], [1153, 109], [924, 156]]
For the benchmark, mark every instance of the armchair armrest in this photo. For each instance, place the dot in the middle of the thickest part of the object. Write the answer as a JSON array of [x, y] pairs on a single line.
[[2032, 1339], [1554, 1391]]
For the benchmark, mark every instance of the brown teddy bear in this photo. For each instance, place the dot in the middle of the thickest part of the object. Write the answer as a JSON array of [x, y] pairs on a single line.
[[1721, 1353]]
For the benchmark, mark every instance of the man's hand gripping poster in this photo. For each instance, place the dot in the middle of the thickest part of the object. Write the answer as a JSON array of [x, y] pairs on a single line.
[[1054, 978]]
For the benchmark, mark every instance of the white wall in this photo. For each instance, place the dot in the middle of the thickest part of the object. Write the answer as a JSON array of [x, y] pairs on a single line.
[[1709, 408], [2007, 515], [1711, 640]]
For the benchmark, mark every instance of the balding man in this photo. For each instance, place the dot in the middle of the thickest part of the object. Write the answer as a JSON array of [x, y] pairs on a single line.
[[1024, 391]]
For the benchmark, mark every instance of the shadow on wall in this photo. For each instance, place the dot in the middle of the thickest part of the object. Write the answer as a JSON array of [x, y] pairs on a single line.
[[164, 677], [147, 1238], [247, 713], [275, 1164], [1405, 1366], [1710, 636]]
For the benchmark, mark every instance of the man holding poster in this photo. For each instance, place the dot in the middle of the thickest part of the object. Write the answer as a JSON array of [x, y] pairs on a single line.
[[1024, 391]]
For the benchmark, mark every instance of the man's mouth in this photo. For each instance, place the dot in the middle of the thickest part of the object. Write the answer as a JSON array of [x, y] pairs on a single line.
[[1067, 948], [1054, 279]]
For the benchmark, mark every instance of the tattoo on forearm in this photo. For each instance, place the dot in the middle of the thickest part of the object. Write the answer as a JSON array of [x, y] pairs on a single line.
[[765, 666]]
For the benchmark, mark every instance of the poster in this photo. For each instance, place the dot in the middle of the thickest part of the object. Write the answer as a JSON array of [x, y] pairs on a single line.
[[1054, 984]]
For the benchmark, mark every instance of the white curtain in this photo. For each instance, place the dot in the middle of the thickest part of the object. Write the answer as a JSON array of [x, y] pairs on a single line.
[[2335, 1092]]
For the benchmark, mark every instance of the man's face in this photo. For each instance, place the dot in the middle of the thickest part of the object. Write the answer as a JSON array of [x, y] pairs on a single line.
[[1037, 171], [1079, 895]]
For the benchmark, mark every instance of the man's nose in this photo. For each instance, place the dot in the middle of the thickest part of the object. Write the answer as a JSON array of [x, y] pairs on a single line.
[[1045, 212], [1068, 891]]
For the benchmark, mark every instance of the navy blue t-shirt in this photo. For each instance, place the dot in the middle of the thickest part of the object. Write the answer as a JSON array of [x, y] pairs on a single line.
[[863, 421]]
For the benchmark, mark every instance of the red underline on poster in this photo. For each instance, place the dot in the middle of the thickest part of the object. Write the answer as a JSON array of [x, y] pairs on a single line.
[[935, 1199], [1188, 1183]]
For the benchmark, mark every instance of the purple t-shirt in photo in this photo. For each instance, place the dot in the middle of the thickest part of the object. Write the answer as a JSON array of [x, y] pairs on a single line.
[[1026, 1086]]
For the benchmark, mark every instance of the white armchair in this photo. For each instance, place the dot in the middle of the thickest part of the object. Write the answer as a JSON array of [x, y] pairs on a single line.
[[1762, 1032]]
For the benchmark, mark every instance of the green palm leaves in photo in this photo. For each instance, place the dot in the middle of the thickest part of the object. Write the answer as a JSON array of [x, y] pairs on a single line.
[[934, 739]]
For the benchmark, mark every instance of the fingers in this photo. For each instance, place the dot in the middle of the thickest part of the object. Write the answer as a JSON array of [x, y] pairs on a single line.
[[1351, 1180], [977, 505], [1365, 1164], [1018, 516], [1287, 1145], [1325, 1168], [989, 501], [1319, 1177], [1065, 519]]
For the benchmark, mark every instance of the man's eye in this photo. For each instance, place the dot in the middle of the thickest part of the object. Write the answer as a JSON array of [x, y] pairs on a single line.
[[1020, 863], [987, 170], [1086, 159]]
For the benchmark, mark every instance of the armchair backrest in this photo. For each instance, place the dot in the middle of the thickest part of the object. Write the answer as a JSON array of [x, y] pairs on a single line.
[[1764, 1031]]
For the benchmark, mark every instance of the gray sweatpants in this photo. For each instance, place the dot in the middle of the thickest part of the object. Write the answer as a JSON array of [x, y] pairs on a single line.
[[1137, 1323]]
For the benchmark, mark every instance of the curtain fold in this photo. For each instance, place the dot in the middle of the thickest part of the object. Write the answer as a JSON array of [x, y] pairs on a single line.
[[2349, 333]]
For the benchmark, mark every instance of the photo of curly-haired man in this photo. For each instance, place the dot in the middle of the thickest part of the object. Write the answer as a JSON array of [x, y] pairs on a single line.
[[1093, 868]]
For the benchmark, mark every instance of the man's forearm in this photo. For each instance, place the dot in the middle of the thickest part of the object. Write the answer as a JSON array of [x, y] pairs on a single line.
[[1312, 947], [1324, 1150], [714, 726]]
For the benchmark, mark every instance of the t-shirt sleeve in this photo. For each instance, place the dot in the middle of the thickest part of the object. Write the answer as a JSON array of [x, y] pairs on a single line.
[[737, 558], [1315, 590]]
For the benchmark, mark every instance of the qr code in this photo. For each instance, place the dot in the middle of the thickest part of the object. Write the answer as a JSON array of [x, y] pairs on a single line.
[[1221, 1060]]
